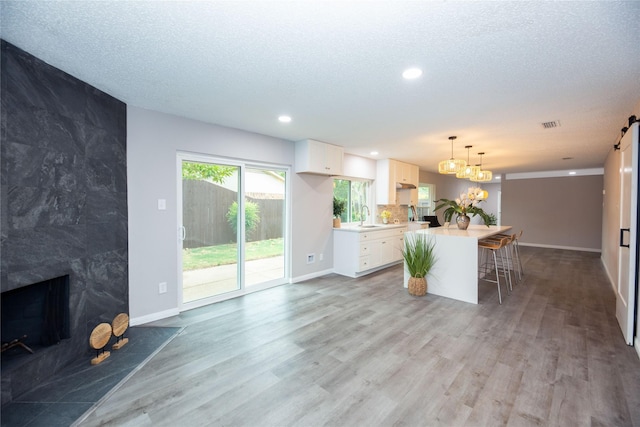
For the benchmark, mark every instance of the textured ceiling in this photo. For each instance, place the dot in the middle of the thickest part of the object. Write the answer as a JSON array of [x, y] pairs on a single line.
[[493, 71]]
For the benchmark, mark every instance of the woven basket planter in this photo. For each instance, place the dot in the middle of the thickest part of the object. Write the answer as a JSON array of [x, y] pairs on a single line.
[[417, 286]]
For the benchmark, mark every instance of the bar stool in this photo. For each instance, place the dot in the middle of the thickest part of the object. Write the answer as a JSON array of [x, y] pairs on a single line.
[[515, 248], [506, 261], [486, 266]]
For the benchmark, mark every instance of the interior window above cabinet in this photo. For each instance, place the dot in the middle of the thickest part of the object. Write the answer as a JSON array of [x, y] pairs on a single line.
[[318, 157]]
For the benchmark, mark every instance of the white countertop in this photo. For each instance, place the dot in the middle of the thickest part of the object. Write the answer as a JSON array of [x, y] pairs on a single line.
[[474, 231]]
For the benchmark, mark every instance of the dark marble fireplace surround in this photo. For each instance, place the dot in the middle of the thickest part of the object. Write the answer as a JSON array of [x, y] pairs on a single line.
[[63, 203]]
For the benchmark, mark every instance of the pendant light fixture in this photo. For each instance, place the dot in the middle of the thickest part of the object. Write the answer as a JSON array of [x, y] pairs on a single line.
[[482, 175], [451, 166], [468, 171]]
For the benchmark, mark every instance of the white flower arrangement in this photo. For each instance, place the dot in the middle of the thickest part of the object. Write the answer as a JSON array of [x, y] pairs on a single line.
[[472, 197], [467, 203]]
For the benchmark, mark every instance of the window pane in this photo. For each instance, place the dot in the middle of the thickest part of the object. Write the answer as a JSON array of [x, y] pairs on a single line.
[[356, 194], [342, 191]]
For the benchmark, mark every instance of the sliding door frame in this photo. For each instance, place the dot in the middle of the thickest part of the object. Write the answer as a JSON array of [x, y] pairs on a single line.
[[243, 165]]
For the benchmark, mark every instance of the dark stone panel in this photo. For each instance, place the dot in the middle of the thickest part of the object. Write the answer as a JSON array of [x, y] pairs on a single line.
[[69, 208], [33, 248], [105, 207], [107, 290], [106, 236], [30, 166], [104, 146], [64, 201], [37, 274], [34, 82], [100, 176], [28, 207], [37, 127], [103, 111]]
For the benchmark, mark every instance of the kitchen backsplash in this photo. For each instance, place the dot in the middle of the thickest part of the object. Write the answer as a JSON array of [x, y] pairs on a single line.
[[400, 213]]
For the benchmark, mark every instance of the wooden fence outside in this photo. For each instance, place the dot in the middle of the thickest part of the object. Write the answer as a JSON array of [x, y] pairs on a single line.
[[205, 215]]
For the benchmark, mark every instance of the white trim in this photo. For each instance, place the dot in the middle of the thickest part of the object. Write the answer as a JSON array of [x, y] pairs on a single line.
[[311, 276], [556, 173], [606, 270], [135, 321], [636, 345], [569, 248]]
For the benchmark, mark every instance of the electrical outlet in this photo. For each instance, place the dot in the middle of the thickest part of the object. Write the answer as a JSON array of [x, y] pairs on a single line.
[[311, 258], [321, 257], [162, 287]]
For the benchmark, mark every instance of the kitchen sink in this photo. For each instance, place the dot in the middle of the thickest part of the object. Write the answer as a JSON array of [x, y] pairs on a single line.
[[370, 226]]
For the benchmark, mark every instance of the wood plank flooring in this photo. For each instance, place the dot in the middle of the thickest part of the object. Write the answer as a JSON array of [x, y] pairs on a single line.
[[337, 351]]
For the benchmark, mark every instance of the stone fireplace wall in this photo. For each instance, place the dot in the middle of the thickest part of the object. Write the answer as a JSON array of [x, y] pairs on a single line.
[[63, 201]]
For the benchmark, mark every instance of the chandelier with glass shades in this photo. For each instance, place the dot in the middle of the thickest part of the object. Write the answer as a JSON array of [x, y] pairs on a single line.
[[451, 166]]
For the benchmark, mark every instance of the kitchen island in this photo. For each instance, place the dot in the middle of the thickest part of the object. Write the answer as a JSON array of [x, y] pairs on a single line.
[[455, 274]]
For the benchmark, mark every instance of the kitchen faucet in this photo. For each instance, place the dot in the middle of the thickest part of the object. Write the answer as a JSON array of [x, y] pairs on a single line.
[[362, 213]]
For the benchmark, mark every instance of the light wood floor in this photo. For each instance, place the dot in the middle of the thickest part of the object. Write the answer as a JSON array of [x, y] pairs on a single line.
[[362, 352]]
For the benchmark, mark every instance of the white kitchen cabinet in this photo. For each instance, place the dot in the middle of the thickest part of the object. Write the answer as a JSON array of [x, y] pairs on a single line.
[[319, 158], [389, 174], [385, 182], [406, 173], [358, 252]]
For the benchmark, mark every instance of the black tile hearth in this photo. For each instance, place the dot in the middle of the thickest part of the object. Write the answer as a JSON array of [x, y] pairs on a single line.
[[66, 397]]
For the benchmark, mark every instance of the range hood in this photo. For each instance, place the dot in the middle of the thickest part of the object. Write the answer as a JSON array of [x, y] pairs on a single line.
[[405, 186]]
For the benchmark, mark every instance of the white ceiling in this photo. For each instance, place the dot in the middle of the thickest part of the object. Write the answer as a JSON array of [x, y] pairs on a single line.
[[493, 71]]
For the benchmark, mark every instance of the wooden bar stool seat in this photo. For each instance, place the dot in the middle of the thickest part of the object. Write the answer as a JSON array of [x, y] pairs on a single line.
[[488, 265]]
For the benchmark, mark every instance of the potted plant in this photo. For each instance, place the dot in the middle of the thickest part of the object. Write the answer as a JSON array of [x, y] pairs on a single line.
[[419, 257], [339, 206], [467, 203]]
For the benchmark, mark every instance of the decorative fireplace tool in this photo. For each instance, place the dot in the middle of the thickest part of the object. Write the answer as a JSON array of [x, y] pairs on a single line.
[[18, 342]]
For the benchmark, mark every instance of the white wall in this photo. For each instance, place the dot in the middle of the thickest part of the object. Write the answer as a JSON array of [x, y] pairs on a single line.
[[153, 140]]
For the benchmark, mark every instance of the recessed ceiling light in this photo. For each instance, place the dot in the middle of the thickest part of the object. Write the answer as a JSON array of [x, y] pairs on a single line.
[[572, 173], [284, 119], [374, 153], [412, 73]]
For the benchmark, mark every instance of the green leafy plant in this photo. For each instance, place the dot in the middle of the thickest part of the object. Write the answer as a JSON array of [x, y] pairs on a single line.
[[206, 171], [493, 220], [419, 254], [467, 203], [339, 205], [251, 216]]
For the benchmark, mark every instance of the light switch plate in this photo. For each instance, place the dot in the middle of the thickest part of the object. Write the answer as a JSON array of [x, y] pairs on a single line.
[[162, 204]]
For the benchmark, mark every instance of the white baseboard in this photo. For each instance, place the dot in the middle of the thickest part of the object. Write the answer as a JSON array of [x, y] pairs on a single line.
[[135, 321], [311, 276], [636, 345], [569, 248]]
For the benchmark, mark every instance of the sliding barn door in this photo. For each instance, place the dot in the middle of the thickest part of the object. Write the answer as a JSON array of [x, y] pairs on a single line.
[[627, 267]]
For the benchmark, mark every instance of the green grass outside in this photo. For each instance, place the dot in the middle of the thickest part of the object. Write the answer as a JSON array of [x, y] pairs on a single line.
[[211, 256]]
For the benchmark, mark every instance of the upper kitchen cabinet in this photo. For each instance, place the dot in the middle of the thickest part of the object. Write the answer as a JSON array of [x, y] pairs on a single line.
[[407, 173], [318, 157], [396, 182]]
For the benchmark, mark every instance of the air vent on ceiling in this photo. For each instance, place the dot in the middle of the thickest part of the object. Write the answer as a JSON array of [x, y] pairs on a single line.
[[551, 125]]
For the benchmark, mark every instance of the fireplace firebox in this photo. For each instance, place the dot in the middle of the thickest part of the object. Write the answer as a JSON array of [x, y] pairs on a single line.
[[36, 316]]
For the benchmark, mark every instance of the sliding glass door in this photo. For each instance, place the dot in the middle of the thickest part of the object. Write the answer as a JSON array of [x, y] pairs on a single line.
[[265, 222], [232, 228]]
